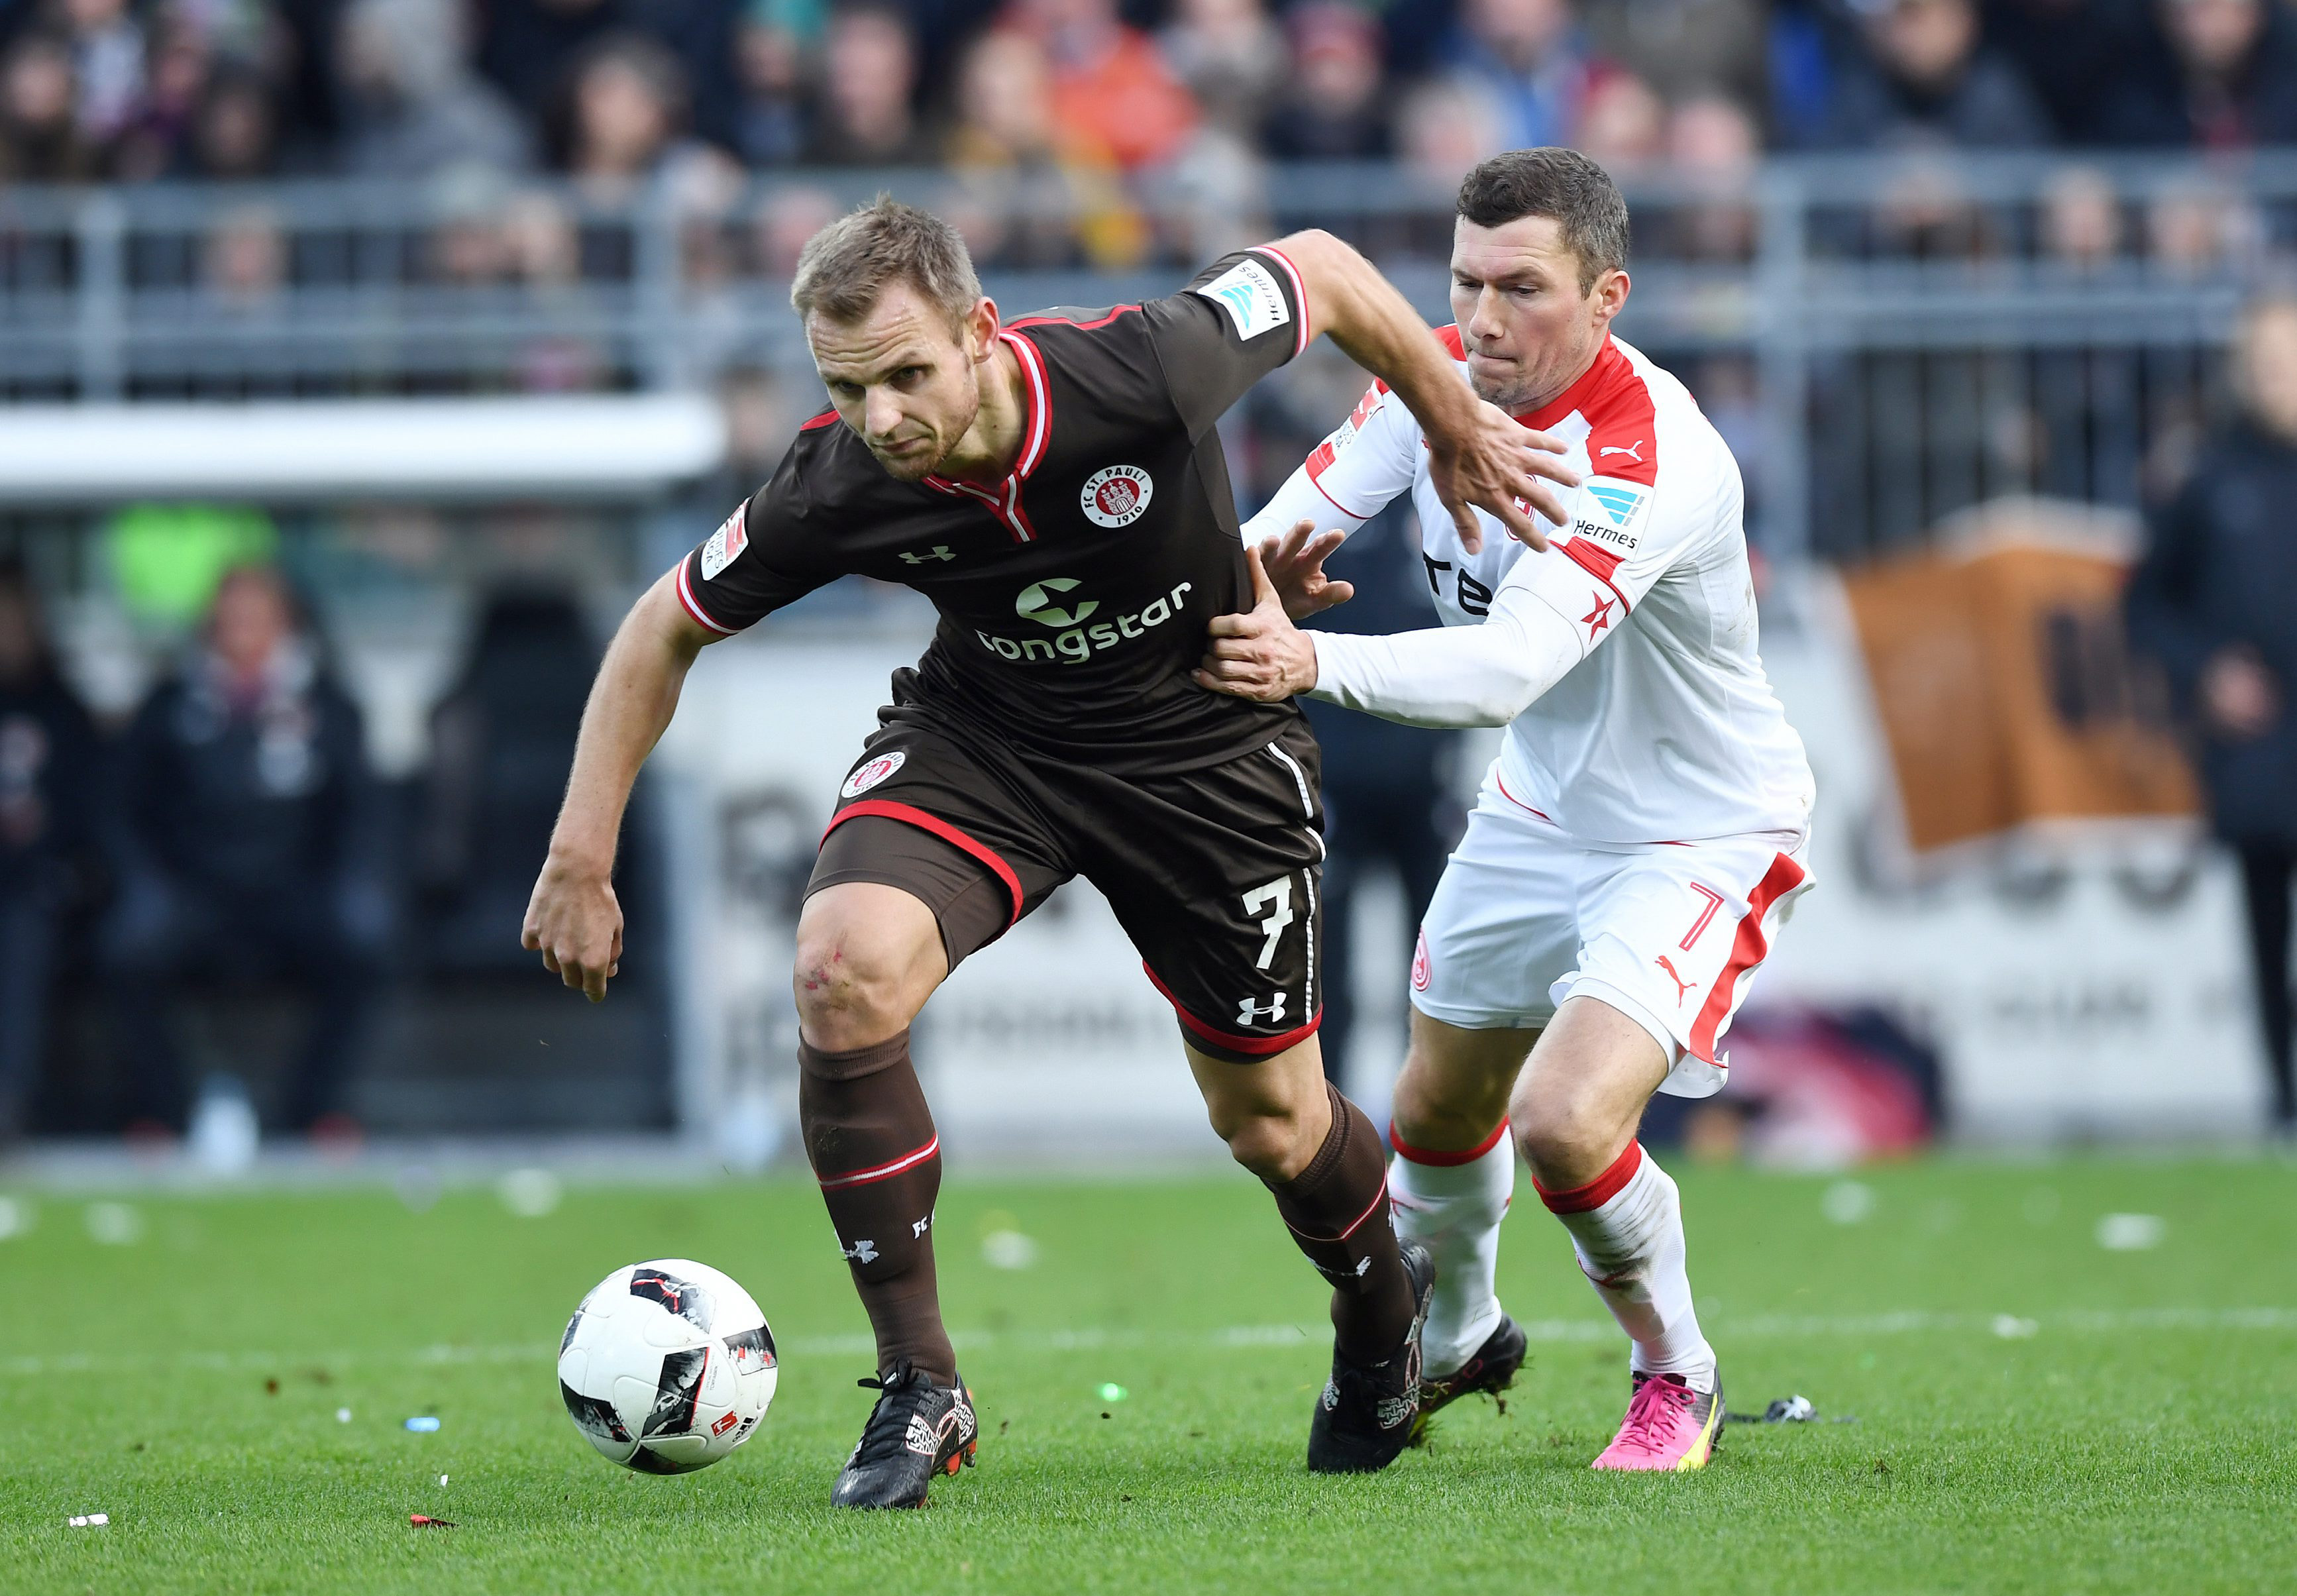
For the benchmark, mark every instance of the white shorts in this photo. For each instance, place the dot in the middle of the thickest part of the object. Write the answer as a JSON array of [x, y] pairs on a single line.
[[1665, 932]]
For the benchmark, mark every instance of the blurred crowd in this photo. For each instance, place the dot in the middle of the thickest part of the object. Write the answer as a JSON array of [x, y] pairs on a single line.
[[229, 841], [1074, 93]]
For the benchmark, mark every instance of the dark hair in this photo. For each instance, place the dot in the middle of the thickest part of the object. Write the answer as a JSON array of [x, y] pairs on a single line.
[[1557, 182], [845, 267]]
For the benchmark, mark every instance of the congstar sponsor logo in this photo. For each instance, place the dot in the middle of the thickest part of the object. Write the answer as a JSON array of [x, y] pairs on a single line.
[[1076, 636]]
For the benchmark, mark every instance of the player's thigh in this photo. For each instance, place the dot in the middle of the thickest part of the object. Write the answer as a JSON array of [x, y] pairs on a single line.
[[1216, 876], [1502, 926], [1672, 936]]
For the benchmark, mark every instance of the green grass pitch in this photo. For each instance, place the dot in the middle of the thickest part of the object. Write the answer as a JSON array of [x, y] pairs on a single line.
[[2035, 1412]]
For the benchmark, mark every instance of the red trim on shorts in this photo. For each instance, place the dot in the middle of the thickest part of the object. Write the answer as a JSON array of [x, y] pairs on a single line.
[[1747, 952], [882, 1171], [820, 421], [889, 810], [1441, 1160], [1601, 1189], [1259, 1047]]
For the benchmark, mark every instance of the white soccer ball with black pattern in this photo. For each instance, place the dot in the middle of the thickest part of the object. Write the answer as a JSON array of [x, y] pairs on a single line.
[[666, 1366]]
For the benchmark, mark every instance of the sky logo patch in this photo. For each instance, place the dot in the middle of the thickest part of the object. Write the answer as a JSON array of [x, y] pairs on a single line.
[[1620, 504]]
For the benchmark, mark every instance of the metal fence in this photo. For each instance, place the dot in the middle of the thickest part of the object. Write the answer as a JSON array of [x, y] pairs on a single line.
[[1883, 340]]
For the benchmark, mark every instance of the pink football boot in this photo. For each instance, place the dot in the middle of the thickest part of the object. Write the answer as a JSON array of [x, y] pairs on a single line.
[[1669, 1427]]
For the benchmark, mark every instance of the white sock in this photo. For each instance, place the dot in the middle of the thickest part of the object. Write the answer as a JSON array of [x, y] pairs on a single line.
[[1626, 1226], [1452, 1204]]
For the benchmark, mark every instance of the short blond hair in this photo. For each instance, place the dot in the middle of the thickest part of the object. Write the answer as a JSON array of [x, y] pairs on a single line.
[[844, 269]]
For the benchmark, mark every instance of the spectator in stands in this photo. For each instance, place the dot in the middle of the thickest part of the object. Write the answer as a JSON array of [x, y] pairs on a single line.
[[1332, 107], [1685, 48], [175, 86], [866, 115], [1034, 192], [245, 258], [534, 48], [250, 848], [1925, 78], [1623, 125], [626, 109], [235, 137], [2230, 82], [1532, 62], [500, 740], [411, 104], [1446, 125], [1715, 141], [772, 45], [1231, 58], [2212, 600], [2076, 55], [40, 140], [1111, 87], [107, 47], [49, 780]]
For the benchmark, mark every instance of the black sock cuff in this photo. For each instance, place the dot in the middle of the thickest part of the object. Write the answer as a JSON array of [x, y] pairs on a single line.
[[1329, 1156], [855, 1063]]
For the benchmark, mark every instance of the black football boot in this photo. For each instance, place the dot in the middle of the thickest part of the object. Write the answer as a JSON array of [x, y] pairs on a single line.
[[917, 1430], [1490, 1371], [1365, 1417]]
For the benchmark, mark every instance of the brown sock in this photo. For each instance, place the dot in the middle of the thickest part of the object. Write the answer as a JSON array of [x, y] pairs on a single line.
[[1338, 1210], [871, 1141]]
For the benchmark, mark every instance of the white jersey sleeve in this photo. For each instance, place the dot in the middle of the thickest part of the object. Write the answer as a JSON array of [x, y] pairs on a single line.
[[1622, 537], [1369, 460], [1455, 676]]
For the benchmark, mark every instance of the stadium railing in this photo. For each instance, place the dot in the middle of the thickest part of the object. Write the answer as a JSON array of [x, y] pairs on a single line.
[[1885, 339]]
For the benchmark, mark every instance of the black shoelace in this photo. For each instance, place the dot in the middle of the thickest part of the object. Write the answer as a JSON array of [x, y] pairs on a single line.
[[887, 1433]]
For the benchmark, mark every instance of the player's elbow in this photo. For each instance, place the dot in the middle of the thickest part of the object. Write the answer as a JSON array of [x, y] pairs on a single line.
[[1505, 695]]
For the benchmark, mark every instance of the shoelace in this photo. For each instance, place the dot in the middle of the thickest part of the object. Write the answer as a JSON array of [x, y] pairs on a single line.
[[1652, 1406], [888, 1429]]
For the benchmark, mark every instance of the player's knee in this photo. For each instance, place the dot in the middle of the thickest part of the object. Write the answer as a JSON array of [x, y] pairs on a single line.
[[851, 985], [1268, 1144], [1561, 1137]]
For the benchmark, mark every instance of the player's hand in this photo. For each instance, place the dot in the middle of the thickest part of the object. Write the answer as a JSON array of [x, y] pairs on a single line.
[[575, 922], [1259, 654], [1294, 563], [1500, 466]]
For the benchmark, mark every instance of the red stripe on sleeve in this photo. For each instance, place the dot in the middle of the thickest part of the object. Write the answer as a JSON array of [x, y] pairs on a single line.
[[692, 606], [1598, 561], [1299, 292], [947, 833]]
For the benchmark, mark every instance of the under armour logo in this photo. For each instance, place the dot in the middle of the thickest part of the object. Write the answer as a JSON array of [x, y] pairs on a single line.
[[1361, 1265], [920, 1226], [1247, 1011], [1598, 619], [1681, 985], [864, 1251], [1630, 451], [940, 552]]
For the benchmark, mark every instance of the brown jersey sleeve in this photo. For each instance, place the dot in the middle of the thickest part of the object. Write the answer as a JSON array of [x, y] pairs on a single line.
[[765, 555], [1239, 319]]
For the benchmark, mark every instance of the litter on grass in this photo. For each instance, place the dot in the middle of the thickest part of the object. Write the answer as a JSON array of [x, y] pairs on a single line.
[[422, 1424], [342, 1415], [442, 1479], [89, 1520], [424, 1521], [1792, 1410]]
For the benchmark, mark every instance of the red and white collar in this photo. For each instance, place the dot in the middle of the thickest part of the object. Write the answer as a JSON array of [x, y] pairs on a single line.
[[1004, 501]]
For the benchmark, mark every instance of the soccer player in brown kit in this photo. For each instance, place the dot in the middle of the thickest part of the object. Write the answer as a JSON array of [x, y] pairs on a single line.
[[1055, 485]]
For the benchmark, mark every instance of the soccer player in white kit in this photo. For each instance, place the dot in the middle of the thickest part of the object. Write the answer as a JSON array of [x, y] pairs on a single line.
[[1643, 831]]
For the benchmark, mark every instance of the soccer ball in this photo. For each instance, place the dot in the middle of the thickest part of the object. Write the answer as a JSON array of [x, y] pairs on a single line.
[[666, 1366]]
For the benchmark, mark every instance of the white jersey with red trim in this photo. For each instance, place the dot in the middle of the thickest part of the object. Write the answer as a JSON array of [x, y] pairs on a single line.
[[1666, 729]]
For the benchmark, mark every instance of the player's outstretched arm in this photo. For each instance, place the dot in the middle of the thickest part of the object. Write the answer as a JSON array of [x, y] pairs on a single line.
[[1478, 454], [573, 919], [1462, 676]]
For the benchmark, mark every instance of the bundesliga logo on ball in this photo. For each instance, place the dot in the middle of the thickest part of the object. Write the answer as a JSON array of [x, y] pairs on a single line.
[[1116, 496]]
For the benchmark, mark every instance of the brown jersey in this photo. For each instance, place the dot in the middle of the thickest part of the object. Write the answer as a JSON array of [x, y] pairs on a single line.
[[1074, 595]]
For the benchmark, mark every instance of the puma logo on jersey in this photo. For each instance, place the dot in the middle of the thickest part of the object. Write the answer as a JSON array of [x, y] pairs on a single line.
[[1682, 987], [1630, 451], [940, 552]]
